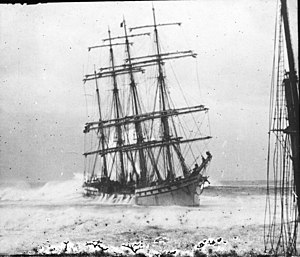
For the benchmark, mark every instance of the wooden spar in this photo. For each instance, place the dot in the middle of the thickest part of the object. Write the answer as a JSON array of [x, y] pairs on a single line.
[[127, 36], [140, 64], [116, 66], [102, 137], [201, 107], [155, 25], [154, 61], [117, 111], [139, 118], [292, 101], [138, 127], [134, 120], [162, 54], [135, 67], [145, 145], [116, 44], [125, 66], [110, 73]]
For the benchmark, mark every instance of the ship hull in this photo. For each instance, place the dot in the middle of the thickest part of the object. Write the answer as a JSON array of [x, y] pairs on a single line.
[[183, 192]]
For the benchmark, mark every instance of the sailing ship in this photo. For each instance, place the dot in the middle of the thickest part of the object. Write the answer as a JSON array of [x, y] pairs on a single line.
[[143, 152], [283, 208]]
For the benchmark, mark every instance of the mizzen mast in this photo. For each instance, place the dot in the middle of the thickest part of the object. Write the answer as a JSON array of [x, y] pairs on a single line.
[[112, 72], [100, 129]]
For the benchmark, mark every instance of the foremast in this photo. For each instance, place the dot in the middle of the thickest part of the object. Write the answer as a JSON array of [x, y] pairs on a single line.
[[163, 96], [164, 101]]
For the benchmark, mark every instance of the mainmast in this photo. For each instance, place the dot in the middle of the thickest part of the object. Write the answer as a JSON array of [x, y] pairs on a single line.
[[136, 110], [117, 105]]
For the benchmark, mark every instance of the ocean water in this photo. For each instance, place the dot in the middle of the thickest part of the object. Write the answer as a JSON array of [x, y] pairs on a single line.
[[35, 217], [239, 188], [70, 192]]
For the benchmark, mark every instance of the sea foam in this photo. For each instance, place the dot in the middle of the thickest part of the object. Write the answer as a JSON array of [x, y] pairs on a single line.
[[51, 192]]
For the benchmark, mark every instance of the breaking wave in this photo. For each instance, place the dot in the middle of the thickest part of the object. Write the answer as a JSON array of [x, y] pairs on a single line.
[[55, 192]]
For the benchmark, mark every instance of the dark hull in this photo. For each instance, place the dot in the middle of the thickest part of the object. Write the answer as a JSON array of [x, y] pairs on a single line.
[[183, 192]]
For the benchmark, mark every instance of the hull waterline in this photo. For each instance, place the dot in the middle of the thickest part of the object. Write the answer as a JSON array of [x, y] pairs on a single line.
[[183, 192]]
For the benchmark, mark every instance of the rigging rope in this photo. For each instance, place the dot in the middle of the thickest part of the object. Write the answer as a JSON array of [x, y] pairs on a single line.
[[189, 145], [281, 225]]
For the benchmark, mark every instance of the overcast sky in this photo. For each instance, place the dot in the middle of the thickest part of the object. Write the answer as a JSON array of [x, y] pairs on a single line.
[[44, 56]]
